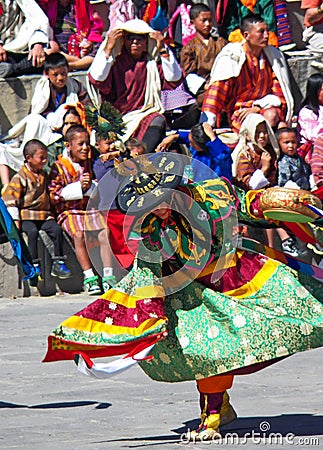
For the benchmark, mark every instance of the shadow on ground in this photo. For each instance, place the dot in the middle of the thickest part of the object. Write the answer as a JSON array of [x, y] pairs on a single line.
[[57, 405], [297, 424], [285, 424]]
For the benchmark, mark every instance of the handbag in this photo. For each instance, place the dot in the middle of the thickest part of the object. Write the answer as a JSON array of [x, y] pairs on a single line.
[[176, 98]]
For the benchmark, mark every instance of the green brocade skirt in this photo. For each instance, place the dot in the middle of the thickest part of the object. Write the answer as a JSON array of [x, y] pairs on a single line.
[[277, 313], [256, 311], [212, 327]]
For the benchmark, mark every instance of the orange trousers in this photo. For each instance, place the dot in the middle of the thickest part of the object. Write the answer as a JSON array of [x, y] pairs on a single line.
[[217, 383]]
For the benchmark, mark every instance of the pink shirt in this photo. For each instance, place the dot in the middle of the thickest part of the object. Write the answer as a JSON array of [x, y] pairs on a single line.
[[310, 125]]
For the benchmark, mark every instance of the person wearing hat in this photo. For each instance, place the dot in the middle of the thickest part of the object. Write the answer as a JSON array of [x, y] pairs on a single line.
[[201, 308], [131, 67]]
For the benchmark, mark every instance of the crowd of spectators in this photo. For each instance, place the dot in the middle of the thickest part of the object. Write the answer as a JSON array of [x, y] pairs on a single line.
[[234, 98]]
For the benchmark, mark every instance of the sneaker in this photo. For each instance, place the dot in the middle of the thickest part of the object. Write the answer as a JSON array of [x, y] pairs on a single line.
[[91, 285], [316, 248], [108, 282], [289, 247], [60, 270]]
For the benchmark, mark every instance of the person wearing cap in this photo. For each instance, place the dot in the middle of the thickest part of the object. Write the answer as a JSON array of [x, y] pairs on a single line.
[[194, 306], [131, 67]]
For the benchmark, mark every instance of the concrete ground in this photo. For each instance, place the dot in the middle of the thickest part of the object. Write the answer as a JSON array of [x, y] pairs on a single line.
[[52, 406]]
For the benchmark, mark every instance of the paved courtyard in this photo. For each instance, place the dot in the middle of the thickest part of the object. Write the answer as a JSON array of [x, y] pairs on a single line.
[[52, 406]]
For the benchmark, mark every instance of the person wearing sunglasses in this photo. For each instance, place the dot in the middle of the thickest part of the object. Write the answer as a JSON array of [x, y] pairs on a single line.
[[130, 69]]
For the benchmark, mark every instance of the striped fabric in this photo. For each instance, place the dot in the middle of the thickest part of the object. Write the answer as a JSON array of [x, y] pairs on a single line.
[[76, 220], [72, 215], [10, 21], [117, 323], [198, 57], [284, 34], [28, 193], [249, 162], [317, 161], [301, 266], [255, 80], [302, 231], [121, 322], [66, 26]]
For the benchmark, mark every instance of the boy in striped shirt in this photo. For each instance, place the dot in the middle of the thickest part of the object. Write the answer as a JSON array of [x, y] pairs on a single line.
[[27, 200]]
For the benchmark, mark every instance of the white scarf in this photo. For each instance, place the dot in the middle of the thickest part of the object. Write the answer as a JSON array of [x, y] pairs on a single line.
[[152, 102], [40, 102], [230, 60], [247, 135]]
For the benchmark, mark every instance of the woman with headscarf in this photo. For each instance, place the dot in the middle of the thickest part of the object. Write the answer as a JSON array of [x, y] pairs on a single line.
[[255, 156], [255, 166]]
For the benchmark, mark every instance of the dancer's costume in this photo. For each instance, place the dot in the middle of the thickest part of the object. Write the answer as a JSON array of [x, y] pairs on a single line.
[[201, 306]]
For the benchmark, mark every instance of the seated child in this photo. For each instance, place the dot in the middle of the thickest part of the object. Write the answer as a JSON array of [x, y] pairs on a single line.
[[71, 185], [255, 156], [72, 117], [210, 156], [28, 204], [110, 147], [198, 55], [136, 147], [52, 92], [255, 167], [293, 171]]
